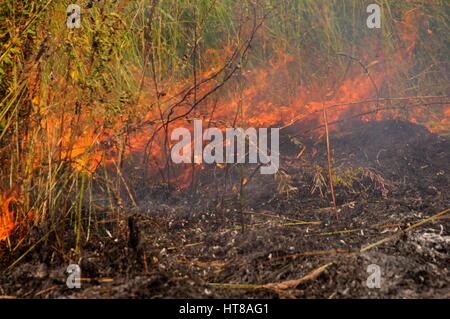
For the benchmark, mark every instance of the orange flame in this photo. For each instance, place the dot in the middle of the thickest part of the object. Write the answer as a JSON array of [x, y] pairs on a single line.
[[268, 99], [7, 222]]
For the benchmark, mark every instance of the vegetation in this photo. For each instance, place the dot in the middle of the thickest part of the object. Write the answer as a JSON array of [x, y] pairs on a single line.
[[72, 100]]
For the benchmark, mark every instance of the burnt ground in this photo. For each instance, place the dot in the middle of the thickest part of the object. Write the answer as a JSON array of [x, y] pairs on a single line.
[[388, 176]]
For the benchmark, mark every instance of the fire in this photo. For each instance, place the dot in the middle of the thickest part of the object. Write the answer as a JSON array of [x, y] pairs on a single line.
[[268, 99], [7, 221], [441, 125]]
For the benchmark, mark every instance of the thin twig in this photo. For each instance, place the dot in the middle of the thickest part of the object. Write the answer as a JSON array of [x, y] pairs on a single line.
[[330, 169]]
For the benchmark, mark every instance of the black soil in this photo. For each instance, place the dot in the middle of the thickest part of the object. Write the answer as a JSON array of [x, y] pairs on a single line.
[[388, 176]]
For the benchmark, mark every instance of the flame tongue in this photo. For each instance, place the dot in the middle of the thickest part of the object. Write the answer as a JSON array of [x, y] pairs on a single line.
[[7, 223]]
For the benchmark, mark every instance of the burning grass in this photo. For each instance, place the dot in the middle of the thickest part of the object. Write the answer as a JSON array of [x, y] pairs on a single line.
[[86, 116], [7, 221]]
